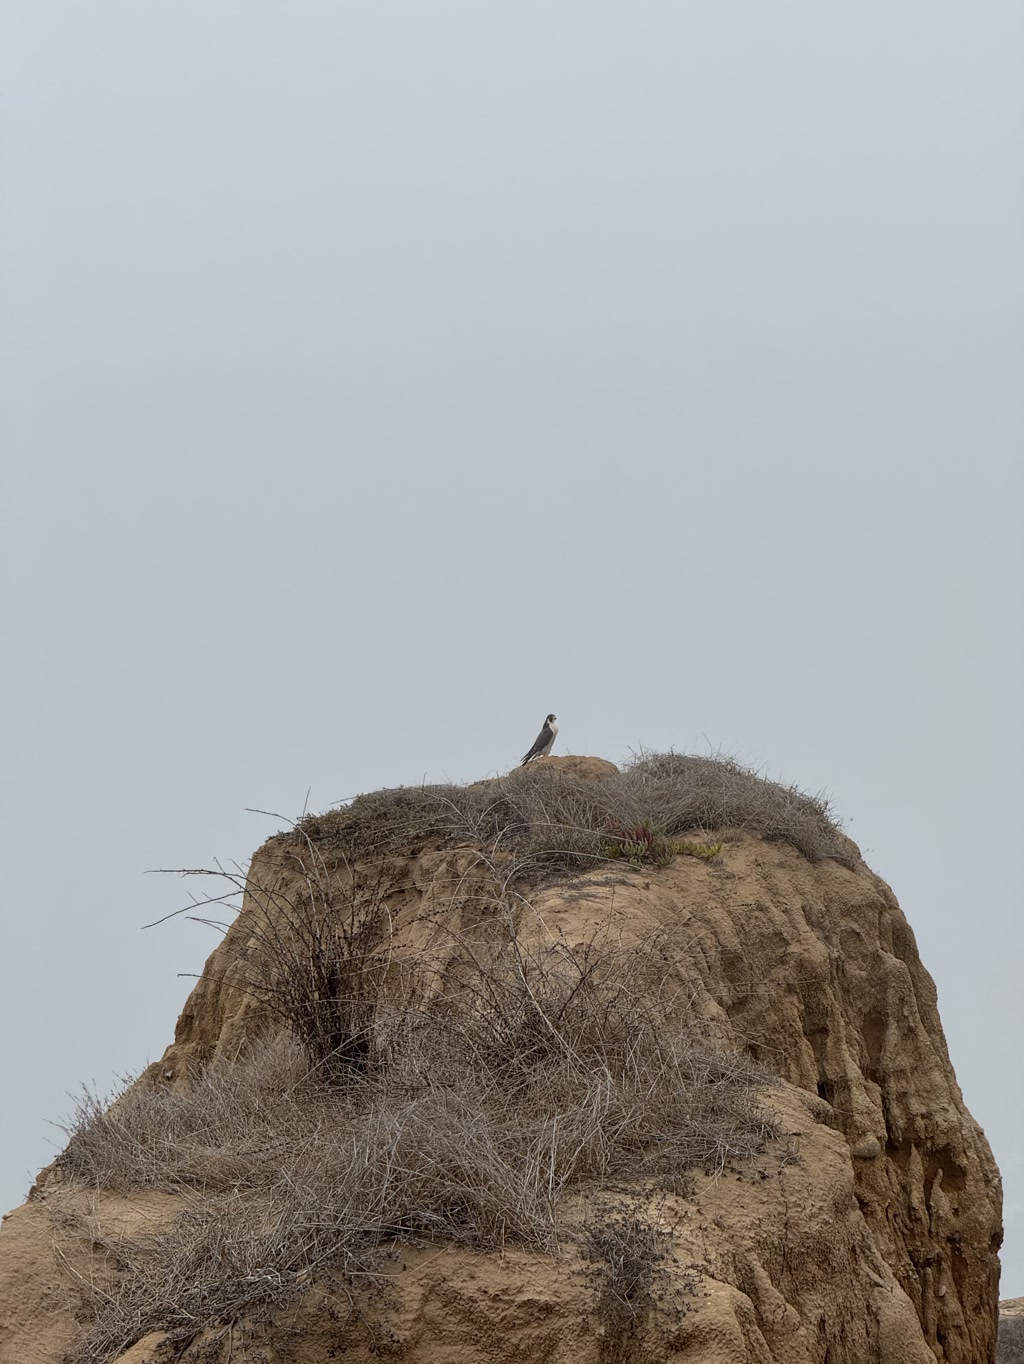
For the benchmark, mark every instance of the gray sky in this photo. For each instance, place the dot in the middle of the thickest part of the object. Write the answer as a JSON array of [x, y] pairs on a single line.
[[379, 377]]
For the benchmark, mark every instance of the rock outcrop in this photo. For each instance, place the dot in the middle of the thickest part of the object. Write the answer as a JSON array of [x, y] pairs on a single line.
[[1010, 1347], [867, 1233]]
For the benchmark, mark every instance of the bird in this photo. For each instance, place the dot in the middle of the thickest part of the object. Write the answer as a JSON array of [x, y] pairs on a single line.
[[543, 742]]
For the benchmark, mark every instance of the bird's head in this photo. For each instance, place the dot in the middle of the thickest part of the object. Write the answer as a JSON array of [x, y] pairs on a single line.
[[550, 718]]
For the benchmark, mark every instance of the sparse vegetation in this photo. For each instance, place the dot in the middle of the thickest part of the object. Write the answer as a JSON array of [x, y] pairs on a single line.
[[643, 846], [456, 1099], [623, 1246], [467, 1122], [549, 821], [318, 960]]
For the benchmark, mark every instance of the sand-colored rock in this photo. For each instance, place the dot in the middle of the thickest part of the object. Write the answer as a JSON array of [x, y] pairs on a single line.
[[573, 764], [36, 1324], [1010, 1347], [768, 1262], [734, 1286], [868, 1234], [46, 1251]]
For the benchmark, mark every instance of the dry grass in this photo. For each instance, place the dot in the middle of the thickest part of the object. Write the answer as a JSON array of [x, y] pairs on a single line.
[[623, 1246], [551, 821], [316, 957], [319, 961], [549, 1070], [379, 1117]]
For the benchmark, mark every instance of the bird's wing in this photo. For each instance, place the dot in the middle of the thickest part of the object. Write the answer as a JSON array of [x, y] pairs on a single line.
[[542, 738]]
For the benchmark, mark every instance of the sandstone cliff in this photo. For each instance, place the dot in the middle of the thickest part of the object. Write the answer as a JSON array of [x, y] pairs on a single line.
[[1010, 1348], [866, 1229]]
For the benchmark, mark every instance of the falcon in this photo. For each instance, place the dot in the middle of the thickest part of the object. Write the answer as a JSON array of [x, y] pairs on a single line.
[[543, 742]]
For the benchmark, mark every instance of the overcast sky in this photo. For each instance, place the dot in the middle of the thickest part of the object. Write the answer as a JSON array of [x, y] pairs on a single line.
[[379, 377]]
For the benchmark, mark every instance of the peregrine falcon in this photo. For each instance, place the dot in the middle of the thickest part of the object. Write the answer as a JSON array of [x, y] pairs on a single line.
[[543, 742]]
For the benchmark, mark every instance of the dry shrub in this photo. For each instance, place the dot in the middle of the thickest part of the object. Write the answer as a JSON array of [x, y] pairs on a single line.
[[549, 1070], [623, 1245], [379, 1118], [548, 820], [682, 792], [318, 961], [317, 958], [212, 1135]]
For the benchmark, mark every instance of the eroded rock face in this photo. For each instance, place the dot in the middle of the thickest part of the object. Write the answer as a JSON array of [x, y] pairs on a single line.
[[1010, 1346], [768, 1262], [815, 970], [868, 1234], [35, 1324]]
